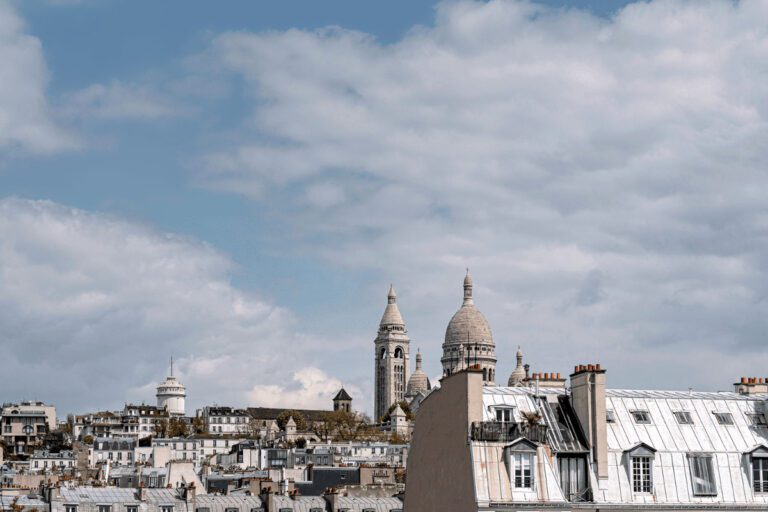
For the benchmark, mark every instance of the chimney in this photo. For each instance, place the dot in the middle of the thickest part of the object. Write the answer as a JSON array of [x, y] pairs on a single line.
[[588, 400]]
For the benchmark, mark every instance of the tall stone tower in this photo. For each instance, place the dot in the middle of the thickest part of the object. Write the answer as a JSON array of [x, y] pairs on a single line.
[[468, 339], [392, 356]]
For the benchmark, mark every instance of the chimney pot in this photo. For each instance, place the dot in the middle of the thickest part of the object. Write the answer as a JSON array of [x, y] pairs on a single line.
[[558, 376], [576, 369], [597, 367], [546, 376], [743, 380], [590, 367]]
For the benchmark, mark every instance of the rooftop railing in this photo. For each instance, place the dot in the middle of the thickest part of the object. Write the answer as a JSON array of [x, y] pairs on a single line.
[[505, 432]]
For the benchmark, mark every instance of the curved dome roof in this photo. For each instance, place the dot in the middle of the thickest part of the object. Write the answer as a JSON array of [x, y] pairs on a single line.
[[419, 382], [468, 325], [391, 314], [517, 376]]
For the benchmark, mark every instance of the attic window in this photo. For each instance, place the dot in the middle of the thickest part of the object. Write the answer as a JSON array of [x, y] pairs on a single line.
[[724, 418], [702, 475], [610, 416], [642, 417], [683, 417], [757, 420]]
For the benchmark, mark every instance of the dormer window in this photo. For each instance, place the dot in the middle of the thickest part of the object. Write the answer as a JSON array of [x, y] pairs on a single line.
[[610, 416], [758, 457], [521, 457], [504, 414], [640, 466], [641, 417]]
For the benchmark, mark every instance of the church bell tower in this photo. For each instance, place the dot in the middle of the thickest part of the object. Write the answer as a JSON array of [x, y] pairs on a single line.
[[392, 356]]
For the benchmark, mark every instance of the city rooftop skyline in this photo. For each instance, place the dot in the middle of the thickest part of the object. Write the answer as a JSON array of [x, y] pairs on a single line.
[[238, 187]]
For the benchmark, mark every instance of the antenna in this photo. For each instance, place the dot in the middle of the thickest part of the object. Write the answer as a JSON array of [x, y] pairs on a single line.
[[171, 366]]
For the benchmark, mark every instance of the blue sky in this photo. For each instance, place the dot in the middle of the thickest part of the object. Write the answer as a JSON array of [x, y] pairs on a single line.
[[597, 168]]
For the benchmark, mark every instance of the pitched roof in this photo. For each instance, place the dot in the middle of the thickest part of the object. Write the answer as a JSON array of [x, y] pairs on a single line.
[[342, 395], [268, 413]]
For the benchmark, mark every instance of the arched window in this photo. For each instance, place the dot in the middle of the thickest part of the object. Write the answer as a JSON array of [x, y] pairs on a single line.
[[485, 373], [398, 353], [383, 353]]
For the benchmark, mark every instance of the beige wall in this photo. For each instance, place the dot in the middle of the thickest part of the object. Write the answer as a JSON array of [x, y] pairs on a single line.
[[439, 476]]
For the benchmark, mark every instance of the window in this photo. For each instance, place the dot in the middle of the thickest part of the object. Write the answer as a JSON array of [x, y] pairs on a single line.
[[642, 480], [641, 417], [231, 509], [504, 414], [683, 417], [610, 416], [202, 509], [573, 478], [105, 508], [757, 420], [702, 475], [70, 508], [522, 464], [166, 508], [131, 508], [724, 418], [759, 474]]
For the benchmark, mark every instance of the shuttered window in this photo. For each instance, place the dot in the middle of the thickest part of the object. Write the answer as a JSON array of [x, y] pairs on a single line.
[[702, 475]]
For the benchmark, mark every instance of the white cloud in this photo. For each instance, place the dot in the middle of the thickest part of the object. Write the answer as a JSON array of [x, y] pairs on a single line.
[[311, 389], [604, 177], [25, 119], [92, 307], [119, 101]]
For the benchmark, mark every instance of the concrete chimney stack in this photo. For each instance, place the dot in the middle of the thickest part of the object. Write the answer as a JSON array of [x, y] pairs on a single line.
[[588, 400]]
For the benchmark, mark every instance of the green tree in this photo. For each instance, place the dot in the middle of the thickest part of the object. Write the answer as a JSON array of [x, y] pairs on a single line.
[[177, 428], [198, 425], [298, 418], [404, 406]]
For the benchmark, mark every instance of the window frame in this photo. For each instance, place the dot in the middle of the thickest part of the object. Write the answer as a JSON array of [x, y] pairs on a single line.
[[523, 462], [642, 478], [683, 414], [757, 419], [504, 411], [641, 421], [693, 466], [723, 418]]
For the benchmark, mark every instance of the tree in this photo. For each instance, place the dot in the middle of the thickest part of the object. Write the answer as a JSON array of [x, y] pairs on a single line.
[[198, 425], [254, 427], [404, 406], [298, 418], [177, 428], [88, 440], [161, 428]]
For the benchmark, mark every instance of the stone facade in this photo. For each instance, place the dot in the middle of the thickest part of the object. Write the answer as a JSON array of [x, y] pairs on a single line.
[[391, 358], [468, 340]]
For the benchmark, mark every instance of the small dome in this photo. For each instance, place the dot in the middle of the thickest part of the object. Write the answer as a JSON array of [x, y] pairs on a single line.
[[518, 374], [391, 314], [419, 382]]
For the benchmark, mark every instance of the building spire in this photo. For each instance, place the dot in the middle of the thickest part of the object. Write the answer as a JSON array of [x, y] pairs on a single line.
[[171, 366], [468, 288], [391, 296], [418, 359]]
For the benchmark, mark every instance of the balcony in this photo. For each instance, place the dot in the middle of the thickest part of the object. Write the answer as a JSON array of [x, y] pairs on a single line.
[[502, 432]]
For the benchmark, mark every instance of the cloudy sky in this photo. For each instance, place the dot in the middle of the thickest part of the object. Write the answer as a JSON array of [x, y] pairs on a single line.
[[236, 186]]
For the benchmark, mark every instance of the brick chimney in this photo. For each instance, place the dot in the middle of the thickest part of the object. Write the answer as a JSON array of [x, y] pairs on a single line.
[[752, 386], [588, 400]]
